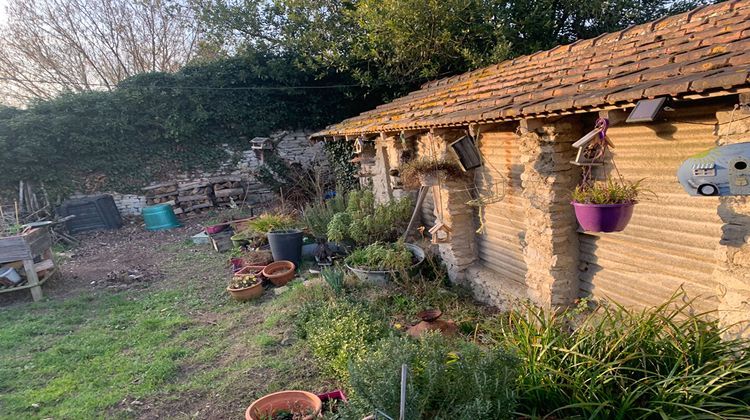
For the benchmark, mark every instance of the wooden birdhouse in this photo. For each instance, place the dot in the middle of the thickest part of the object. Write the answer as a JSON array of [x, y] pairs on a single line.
[[441, 233], [261, 143], [359, 145]]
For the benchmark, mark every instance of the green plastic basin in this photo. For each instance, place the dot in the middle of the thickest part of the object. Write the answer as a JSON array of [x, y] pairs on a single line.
[[160, 216]]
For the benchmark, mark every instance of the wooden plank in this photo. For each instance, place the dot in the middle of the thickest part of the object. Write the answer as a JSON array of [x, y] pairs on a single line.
[[44, 265], [39, 241], [229, 192], [33, 280], [14, 248]]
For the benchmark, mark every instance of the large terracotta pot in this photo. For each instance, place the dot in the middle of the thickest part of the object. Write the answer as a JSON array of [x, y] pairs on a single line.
[[301, 402], [280, 272]]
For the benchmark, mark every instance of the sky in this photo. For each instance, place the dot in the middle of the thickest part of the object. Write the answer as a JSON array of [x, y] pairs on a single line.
[[3, 3]]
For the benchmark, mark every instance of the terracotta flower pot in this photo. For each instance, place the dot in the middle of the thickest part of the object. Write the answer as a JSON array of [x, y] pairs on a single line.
[[279, 272], [251, 292], [297, 402]]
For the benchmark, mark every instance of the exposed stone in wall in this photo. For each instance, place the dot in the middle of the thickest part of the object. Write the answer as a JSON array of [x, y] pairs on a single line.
[[733, 253], [450, 207], [291, 146], [551, 251]]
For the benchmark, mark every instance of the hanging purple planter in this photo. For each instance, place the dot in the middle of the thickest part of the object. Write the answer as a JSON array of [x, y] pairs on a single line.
[[603, 217]]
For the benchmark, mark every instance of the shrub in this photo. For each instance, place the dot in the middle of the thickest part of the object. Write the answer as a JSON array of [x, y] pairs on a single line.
[[608, 192], [338, 332], [446, 379], [318, 216], [382, 257], [365, 222], [659, 363]]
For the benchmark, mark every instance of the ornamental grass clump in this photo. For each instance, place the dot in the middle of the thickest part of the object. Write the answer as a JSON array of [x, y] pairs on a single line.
[[446, 379], [382, 257], [266, 223], [619, 363], [608, 192]]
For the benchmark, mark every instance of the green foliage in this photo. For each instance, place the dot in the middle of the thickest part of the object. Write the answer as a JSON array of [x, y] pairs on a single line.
[[365, 222], [338, 228], [665, 362], [411, 171], [338, 332], [268, 222], [382, 257], [392, 46], [446, 379], [317, 216], [153, 125], [608, 192], [335, 278], [340, 153]]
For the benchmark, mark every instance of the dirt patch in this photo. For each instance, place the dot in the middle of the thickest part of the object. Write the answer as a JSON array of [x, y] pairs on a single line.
[[130, 257]]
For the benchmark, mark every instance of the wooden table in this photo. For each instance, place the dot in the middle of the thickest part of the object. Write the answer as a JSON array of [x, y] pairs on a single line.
[[25, 248]]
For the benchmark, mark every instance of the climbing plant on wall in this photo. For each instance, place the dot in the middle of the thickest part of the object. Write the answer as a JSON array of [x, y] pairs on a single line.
[[154, 125], [340, 153]]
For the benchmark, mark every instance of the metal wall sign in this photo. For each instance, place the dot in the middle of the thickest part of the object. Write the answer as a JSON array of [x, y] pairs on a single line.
[[723, 171]]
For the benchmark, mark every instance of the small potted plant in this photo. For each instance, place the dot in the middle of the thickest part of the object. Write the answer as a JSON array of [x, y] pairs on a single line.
[[379, 261], [428, 172], [283, 236], [246, 284], [605, 206]]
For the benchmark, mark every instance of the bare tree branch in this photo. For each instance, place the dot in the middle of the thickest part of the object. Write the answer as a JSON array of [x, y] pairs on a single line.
[[51, 46]]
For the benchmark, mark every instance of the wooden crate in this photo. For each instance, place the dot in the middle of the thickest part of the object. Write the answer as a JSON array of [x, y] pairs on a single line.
[[24, 249]]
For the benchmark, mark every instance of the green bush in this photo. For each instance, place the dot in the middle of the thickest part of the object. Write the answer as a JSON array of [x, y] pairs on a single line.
[[618, 363], [318, 216], [338, 332], [382, 257], [446, 379], [365, 222]]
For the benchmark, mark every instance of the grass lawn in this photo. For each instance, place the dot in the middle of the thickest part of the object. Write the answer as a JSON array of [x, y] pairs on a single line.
[[178, 348]]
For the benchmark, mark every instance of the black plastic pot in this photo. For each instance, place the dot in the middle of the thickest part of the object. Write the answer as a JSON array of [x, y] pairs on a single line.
[[286, 245]]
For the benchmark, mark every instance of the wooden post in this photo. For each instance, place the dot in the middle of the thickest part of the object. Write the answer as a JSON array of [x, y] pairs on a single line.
[[32, 279]]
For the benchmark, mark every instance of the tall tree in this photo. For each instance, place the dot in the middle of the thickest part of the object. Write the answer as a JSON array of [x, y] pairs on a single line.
[[50, 46], [391, 46]]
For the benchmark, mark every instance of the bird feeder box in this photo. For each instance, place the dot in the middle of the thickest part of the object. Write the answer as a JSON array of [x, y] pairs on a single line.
[[441, 233], [592, 146], [359, 145], [261, 143]]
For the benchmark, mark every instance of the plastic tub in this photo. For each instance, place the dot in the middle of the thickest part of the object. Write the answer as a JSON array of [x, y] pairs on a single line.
[[10, 274], [160, 216]]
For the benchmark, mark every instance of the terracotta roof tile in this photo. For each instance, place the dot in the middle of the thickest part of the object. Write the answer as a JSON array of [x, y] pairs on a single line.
[[705, 50]]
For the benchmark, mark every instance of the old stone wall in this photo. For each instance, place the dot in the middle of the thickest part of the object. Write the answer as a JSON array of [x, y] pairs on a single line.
[[733, 253], [291, 146]]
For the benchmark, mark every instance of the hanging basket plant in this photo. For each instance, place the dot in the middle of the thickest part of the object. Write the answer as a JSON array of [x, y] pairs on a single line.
[[430, 172], [605, 206]]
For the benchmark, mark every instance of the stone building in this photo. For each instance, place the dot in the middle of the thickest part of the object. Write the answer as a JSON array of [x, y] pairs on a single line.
[[525, 114]]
